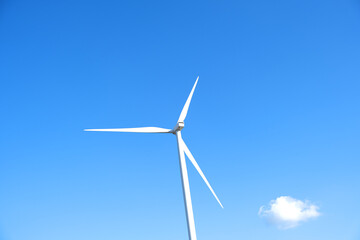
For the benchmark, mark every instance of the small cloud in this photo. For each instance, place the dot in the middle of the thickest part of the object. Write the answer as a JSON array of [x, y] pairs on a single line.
[[286, 212]]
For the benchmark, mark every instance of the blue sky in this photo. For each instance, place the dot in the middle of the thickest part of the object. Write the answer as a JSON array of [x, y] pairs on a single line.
[[275, 113]]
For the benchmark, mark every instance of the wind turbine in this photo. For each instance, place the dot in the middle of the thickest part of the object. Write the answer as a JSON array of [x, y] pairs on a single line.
[[182, 149]]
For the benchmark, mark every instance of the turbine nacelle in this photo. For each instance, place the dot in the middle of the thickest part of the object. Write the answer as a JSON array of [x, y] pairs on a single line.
[[178, 127]]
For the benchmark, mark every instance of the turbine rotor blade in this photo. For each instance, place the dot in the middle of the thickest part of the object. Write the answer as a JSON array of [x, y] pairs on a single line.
[[187, 104], [192, 159], [136, 130]]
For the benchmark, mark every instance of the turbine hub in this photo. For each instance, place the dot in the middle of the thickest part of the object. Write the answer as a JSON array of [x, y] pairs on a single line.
[[178, 127]]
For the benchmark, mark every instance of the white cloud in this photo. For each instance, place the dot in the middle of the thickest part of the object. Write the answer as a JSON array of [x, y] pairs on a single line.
[[286, 212]]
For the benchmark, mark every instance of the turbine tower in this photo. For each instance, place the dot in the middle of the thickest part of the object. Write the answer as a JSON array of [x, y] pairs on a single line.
[[182, 149]]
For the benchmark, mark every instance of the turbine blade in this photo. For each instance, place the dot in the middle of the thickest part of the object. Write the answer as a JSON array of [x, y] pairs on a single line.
[[137, 130], [192, 159], [187, 104]]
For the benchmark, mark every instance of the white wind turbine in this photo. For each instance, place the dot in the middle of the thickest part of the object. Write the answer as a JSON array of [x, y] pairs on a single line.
[[182, 148]]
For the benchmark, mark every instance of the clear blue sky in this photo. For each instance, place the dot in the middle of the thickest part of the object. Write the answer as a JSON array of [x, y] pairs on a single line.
[[276, 113]]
